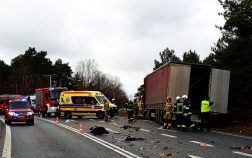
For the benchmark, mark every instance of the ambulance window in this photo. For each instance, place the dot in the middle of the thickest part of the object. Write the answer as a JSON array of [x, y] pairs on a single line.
[[79, 100], [91, 100]]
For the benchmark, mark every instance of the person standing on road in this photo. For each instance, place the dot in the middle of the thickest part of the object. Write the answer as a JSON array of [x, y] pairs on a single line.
[[168, 113], [178, 110], [205, 114], [187, 113], [106, 108], [136, 109], [130, 111]]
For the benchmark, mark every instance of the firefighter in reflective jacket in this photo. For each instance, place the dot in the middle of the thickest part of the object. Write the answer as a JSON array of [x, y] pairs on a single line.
[[187, 113], [178, 110], [168, 113]]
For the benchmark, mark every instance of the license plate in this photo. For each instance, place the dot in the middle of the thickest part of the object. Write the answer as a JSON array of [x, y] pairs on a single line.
[[52, 114]]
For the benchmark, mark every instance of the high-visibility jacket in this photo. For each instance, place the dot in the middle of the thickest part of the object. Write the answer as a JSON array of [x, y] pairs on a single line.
[[178, 108], [205, 106]]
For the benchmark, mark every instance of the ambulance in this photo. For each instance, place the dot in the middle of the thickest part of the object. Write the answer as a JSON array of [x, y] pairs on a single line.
[[84, 103]]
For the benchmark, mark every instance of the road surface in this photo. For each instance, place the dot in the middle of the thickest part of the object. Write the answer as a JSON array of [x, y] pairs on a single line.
[[65, 139]]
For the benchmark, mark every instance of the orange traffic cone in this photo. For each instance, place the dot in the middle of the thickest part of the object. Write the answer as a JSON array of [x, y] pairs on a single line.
[[57, 120], [81, 128]]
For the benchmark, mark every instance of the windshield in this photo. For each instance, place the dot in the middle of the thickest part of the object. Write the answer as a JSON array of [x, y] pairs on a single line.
[[101, 99], [19, 105], [55, 95]]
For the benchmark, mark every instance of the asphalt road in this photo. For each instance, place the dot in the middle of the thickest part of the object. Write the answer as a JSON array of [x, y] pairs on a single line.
[[50, 139]]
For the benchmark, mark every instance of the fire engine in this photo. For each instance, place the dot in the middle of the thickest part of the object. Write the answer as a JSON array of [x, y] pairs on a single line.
[[47, 100]]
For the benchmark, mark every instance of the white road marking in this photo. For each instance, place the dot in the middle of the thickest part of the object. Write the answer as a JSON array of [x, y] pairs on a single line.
[[229, 134], [7, 142], [241, 153], [167, 135], [101, 121], [161, 128], [145, 130], [112, 131], [201, 143], [192, 156], [97, 140]]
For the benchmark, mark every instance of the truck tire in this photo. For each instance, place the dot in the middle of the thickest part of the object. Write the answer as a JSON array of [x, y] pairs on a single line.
[[100, 114], [68, 115], [8, 122], [48, 114]]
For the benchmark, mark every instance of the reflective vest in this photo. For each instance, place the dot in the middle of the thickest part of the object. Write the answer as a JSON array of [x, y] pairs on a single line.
[[179, 108], [205, 106]]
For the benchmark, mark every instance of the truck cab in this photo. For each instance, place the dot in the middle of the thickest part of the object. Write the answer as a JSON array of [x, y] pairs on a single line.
[[47, 100]]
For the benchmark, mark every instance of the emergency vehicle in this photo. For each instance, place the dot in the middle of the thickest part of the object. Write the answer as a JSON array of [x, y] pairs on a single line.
[[19, 111], [47, 100], [4, 102], [84, 103]]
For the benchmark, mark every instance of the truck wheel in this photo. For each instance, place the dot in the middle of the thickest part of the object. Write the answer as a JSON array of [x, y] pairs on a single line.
[[8, 122], [100, 115], [68, 115]]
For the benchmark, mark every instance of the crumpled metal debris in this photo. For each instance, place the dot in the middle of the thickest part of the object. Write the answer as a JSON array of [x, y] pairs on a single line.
[[246, 147], [69, 120], [131, 138], [127, 127]]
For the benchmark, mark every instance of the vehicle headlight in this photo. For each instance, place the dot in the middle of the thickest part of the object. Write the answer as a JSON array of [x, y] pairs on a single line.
[[11, 113], [30, 113]]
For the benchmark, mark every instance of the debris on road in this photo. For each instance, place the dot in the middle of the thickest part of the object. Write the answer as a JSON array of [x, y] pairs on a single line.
[[154, 141], [127, 127], [69, 120], [166, 154], [131, 138], [98, 130], [246, 147]]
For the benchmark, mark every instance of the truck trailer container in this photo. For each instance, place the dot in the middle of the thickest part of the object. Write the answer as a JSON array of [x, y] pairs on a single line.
[[194, 80]]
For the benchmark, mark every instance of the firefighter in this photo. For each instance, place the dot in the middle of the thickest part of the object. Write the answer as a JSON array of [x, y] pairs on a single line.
[[168, 113], [187, 113], [205, 114], [106, 108], [130, 111], [136, 109], [178, 110]]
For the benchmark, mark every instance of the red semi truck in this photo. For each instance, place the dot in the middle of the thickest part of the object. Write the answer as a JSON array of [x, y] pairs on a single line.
[[194, 80], [47, 100]]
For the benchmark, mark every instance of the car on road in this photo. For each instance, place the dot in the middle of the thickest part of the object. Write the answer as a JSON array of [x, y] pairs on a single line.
[[19, 111]]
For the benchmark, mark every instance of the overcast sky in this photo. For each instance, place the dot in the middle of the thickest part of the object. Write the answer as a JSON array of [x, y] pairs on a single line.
[[123, 36]]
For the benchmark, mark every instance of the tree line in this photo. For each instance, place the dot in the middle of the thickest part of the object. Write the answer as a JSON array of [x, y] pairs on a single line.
[[32, 69]]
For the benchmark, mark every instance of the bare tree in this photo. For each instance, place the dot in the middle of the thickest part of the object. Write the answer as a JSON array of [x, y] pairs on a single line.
[[89, 77]]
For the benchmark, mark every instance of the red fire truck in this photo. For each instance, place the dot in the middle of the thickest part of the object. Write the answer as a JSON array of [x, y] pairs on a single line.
[[47, 100]]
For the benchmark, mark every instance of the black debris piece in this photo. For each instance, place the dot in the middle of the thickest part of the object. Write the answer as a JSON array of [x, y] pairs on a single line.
[[131, 138], [98, 130]]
